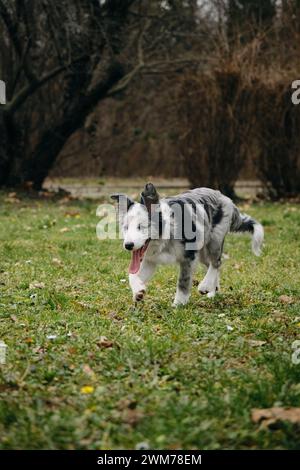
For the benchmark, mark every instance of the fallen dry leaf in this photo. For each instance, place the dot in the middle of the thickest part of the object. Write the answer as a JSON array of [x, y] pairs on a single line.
[[72, 214], [38, 350], [126, 403], [271, 417], [88, 371], [114, 316], [286, 299], [105, 342], [57, 261], [64, 230], [157, 329], [28, 340], [36, 285], [12, 198], [8, 387], [132, 416], [254, 342]]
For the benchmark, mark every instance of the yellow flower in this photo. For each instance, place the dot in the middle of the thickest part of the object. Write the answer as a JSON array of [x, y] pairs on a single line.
[[87, 389]]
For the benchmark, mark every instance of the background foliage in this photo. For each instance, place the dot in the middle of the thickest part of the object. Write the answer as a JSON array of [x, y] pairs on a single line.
[[175, 88]]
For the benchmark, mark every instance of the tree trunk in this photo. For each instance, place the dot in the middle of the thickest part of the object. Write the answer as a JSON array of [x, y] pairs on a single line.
[[18, 169], [3, 147], [9, 146]]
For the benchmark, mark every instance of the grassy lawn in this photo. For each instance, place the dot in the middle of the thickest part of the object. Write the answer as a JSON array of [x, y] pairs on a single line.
[[86, 370]]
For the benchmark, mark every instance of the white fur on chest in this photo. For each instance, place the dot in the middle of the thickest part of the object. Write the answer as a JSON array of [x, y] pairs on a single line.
[[164, 252]]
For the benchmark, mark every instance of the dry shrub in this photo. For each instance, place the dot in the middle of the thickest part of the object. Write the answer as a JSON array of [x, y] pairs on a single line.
[[135, 135], [278, 120], [216, 118], [241, 109]]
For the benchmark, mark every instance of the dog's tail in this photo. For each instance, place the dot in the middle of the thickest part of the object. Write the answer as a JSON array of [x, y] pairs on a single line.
[[244, 223]]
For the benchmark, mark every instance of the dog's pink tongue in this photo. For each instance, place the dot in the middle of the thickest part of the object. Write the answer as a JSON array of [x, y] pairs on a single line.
[[135, 261]]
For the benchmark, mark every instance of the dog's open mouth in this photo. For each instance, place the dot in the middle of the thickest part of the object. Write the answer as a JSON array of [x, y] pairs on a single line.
[[137, 257]]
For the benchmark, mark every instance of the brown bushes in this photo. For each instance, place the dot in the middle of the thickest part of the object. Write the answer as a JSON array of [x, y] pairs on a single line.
[[278, 159], [229, 104], [216, 120], [228, 117]]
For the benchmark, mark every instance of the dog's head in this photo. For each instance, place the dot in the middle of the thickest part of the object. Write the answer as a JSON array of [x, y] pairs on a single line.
[[137, 221]]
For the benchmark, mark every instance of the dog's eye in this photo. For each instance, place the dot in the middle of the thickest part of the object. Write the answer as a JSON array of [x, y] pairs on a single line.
[[125, 227], [139, 227]]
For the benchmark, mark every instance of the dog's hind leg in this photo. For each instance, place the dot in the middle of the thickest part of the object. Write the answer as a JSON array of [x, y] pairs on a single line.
[[139, 280], [221, 223], [211, 282], [184, 284]]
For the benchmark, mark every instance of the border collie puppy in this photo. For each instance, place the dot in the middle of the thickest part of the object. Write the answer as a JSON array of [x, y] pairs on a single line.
[[183, 229]]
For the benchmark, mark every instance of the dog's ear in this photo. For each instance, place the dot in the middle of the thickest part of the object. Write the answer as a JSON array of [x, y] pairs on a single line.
[[124, 203], [123, 199], [149, 196]]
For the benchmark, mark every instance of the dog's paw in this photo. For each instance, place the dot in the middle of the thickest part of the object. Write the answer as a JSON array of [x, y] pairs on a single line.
[[211, 295], [180, 300], [207, 288], [139, 296]]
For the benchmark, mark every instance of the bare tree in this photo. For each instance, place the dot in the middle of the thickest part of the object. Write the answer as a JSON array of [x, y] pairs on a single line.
[[246, 17], [60, 58]]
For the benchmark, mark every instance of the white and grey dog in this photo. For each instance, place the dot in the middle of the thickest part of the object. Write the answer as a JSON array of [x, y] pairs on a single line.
[[183, 229]]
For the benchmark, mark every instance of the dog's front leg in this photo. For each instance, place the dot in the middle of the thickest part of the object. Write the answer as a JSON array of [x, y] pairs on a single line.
[[211, 282], [138, 281], [184, 283]]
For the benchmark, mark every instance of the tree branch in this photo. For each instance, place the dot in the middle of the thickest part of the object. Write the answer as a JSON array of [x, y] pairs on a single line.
[[123, 84], [12, 106], [20, 68], [12, 30], [152, 67]]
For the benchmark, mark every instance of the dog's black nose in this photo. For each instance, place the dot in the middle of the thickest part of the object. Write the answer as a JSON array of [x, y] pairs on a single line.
[[129, 246]]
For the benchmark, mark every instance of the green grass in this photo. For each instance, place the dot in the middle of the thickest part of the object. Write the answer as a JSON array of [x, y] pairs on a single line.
[[172, 378]]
